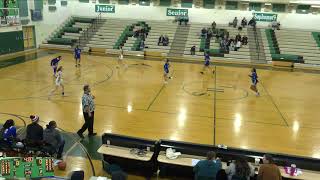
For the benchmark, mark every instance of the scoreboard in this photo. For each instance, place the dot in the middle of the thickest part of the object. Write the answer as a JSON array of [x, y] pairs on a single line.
[[26, 167]]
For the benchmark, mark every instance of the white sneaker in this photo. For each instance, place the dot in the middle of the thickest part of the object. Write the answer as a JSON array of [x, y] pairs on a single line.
[[258, 94]]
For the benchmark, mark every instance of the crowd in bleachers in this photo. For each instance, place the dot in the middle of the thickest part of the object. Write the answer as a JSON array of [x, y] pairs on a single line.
[[48, 141]]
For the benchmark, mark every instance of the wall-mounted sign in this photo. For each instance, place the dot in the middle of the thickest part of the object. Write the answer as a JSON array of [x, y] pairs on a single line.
[[177, 12], [105, 8], [266, 17]]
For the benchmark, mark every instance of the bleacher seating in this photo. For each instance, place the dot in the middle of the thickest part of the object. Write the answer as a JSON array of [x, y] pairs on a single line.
[[242, 55], [68, 33]]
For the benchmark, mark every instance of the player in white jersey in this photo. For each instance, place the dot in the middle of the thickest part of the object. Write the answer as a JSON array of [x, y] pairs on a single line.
[[120, 59], [58, 82]]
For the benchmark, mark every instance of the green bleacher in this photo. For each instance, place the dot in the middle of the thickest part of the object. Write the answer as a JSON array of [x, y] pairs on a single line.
[[68, 28], [275, 50]]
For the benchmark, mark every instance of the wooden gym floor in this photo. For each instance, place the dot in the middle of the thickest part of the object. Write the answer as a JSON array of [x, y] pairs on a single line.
[[134, 101]]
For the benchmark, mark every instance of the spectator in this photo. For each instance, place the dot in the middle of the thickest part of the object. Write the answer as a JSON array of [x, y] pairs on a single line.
[[269, 171], [275, 25], [160, 41], [34, 132], [207, 169], [232, 46], [204, 32], [213, 25], [240, 170], [54, 139], [165, 40], [235, 22], [244, 22], [209, 34], [238, 37], [9, 132], [252, 22], [244, 40], [238, 45], [193, 50]]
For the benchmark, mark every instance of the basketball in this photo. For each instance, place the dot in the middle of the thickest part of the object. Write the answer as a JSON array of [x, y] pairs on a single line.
[[62, 165]]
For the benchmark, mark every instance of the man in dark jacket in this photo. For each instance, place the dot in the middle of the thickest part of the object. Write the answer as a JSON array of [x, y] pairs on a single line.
[[34, 132], [207, 169]]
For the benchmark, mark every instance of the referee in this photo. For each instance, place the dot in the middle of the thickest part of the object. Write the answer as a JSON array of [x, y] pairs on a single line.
[[88, 112]]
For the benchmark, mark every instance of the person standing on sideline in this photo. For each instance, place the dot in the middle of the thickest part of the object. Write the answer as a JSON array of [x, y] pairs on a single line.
[[269, 171], [77, 55], [88, 108], [54, 64]]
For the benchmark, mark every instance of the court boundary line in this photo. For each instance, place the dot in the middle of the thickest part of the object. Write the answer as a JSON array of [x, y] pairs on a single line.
[[274, 103], [155, 98]]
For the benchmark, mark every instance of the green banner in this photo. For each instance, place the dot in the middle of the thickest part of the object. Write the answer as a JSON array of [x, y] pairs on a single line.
[[266, 17], [105, 8], [177, 12]]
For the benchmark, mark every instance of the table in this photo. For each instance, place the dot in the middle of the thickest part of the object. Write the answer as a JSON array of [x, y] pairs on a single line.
[[123, 152], [186, 160]]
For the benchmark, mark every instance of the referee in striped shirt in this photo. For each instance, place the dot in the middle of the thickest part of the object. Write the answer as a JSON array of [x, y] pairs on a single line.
[[88, 112]]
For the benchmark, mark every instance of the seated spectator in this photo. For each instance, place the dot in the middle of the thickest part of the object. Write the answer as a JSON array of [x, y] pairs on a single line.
[[232, 46], [207, 169], [9, 133], [213, 25], [269, 171], [193, 50], [34, 132], [244, 40], [238, 38], [244, 22], [275, 25], [209, 33], [204, 32], [240, 170], [54, 139], [252, 22], [165, 40], [160, 41], [235, 22], [238, 45]]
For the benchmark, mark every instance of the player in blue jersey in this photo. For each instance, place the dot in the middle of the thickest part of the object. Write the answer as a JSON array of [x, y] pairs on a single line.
[[77, 55], [166, 67], [54, 64], [206, 63], [254, 81]]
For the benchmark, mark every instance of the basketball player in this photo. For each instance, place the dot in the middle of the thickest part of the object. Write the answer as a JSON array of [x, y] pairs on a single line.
[[206, 63], [254, 80], [77, 55], [120, 59], [166, 67], [54, 64], [59, 82]]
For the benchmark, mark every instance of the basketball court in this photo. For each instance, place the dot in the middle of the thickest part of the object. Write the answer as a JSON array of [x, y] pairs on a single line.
[[215, 108]]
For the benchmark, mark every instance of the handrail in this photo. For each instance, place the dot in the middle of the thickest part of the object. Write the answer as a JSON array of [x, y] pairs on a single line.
[[257, 42]]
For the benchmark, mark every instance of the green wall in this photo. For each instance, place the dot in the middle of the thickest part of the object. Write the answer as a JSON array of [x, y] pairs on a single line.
[[13, 42]]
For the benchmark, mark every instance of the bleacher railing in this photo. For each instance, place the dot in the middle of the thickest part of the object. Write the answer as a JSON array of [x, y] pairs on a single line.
[[254, 28], [87, 33], [9, 17]]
